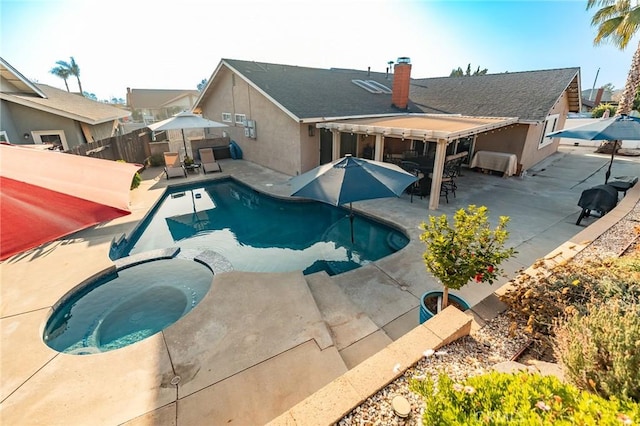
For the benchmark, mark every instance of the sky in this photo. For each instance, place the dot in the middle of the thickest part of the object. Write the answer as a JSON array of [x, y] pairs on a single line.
[[147, 44]]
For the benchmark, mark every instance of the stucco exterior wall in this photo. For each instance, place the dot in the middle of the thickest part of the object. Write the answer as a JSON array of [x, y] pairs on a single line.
[[533, 153], [510, 139], [309, 148], [278, 142], [26, 120]]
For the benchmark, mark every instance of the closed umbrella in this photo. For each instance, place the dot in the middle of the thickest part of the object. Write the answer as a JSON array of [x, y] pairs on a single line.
[[185, 120], [618, 128], [351, 179]]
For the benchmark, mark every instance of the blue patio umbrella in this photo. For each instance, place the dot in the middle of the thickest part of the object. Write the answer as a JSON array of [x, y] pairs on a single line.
[[351, 179], [618, 128]]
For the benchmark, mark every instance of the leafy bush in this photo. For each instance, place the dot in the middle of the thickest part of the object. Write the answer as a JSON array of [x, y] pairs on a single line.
[[598, 111], [135, 182], [522, 398], [465, 250], [601, 350]]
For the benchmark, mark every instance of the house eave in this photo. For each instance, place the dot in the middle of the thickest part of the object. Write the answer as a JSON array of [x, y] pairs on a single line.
[[66, 114]]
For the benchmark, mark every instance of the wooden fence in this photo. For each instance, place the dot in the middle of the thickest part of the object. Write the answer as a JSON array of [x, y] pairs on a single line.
[[132, 148]]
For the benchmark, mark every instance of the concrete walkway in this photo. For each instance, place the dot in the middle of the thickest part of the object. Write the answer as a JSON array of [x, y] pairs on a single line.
[[258, 343]]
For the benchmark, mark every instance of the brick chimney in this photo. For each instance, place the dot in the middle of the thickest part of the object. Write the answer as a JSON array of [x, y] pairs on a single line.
[[599, 94], [401, 81]]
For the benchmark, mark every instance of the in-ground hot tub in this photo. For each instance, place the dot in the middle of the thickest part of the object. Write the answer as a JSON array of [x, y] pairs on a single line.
[[129, 305]]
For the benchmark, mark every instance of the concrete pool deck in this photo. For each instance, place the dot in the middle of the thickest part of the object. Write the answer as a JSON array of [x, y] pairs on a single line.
[[258, 343]]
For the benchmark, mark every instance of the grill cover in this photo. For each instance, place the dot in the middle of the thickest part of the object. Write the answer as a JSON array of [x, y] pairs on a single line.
[[601, 198]]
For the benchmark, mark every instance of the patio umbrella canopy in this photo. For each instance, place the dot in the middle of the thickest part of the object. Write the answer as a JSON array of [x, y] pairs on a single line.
[[185, 120], [618, 128], [351, 179]]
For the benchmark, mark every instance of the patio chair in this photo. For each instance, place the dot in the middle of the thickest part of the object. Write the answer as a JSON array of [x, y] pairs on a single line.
[[452, 166], [173, 167], [208, 161]]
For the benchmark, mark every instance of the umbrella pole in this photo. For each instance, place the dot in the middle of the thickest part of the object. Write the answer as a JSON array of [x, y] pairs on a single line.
[[613, 153], [351, 220], [184, 142]]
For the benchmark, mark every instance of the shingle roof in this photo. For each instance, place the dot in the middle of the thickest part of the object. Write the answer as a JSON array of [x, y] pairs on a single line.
[[315, 92], [70, 105], [527, 95], [155, 98]]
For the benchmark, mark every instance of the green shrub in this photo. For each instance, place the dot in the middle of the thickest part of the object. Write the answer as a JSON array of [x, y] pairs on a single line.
[[466, 249], [522, 398], [135, 182], [598, 111], [601, 350]]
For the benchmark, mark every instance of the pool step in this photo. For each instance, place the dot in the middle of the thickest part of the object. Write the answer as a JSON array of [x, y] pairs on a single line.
[[354, 334]]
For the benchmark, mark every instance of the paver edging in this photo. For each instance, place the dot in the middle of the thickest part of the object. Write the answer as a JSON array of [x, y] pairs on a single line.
[[377, 371], [485, 310]]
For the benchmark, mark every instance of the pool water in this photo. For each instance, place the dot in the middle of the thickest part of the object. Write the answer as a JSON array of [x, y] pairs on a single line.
[[127, 306], [260, 233]]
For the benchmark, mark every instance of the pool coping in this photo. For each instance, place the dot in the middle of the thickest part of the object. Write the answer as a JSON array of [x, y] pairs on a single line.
[[335, 400]]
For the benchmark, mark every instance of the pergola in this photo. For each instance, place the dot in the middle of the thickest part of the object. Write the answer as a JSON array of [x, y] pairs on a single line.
[[441, 129]]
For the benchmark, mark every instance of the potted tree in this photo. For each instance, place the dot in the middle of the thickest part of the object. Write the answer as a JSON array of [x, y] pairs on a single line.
[[469, 249]]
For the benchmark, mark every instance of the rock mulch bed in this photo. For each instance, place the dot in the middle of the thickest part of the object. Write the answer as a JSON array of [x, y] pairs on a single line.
[[498, 341]]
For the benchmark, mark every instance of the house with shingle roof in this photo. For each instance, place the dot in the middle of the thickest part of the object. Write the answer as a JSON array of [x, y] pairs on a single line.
[[292, 118], [159, 104], [40, 114]]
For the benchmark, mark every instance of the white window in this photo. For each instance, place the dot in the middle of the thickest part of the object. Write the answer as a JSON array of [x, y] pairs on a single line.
[[241, 119], [226, 117], [3, 136], [549, 126], [55, 137]]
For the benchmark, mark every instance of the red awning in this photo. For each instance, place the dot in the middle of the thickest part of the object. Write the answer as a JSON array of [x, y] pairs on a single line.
[[47, 195]]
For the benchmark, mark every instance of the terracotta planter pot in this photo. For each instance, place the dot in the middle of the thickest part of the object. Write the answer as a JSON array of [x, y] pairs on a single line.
[[432, 299]]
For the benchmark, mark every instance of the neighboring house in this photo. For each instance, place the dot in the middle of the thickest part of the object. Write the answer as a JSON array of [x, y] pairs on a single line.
[[593, 97], [156, 104], [39, 114], [292, 119]]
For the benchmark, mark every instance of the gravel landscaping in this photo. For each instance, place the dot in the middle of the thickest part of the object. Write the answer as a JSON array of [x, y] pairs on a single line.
[[498, 341]]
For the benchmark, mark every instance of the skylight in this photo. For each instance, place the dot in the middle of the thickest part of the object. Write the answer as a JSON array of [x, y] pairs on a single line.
[[371, 86]]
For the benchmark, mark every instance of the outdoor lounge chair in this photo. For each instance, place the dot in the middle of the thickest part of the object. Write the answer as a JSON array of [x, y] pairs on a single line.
[[173, 167], [208, 160]]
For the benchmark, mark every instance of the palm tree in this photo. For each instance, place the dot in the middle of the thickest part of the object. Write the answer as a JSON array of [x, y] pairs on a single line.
[[73, 70], [618, 21], [63, 73]]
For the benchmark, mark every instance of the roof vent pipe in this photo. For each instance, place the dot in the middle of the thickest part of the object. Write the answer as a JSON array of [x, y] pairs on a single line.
[[368, 71]]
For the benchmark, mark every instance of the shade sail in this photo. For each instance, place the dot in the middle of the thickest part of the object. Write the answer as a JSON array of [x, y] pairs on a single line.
[[45, 195]]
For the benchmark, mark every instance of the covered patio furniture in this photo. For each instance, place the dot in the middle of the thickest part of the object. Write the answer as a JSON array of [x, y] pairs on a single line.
[[503, 162], [173, 166], [600, 198], [208, 161]]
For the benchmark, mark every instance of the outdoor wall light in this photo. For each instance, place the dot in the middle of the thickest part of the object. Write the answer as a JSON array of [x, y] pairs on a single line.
[[26, 135], [312, 130]]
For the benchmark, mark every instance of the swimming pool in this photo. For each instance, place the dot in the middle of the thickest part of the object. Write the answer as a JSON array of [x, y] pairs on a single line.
[[260, 233], [121, 308]]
